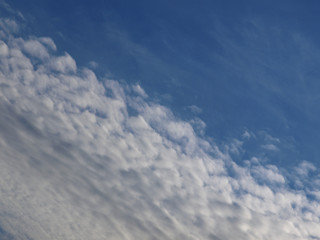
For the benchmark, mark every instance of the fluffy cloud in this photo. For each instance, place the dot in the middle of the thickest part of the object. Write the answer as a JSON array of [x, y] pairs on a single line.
[[88, 158]]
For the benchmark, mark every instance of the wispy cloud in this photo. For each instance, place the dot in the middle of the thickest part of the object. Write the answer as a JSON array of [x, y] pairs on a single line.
[[83, 158], [195, 109]]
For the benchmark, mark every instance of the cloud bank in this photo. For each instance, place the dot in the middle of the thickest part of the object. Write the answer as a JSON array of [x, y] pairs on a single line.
[[88, 158]]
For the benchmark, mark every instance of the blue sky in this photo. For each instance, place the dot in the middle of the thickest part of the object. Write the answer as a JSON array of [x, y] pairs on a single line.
[[148, 110]]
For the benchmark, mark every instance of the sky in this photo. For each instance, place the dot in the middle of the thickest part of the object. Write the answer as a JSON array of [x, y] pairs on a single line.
[[159, 120]]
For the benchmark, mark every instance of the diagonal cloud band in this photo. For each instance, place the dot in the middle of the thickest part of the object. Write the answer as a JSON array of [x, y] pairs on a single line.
[[88, 158]]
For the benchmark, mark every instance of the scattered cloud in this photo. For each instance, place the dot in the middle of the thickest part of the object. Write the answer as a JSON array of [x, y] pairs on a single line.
[[8, 26], [268, 174], [137, 88], [93, 64], [247, 134], [5, 6], [35, 49], [63, 64], [195, 109], [270, 147], [305, 168], [75, 164]]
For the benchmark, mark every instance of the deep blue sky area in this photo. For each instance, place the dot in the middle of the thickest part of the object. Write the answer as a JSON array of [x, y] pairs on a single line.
[[249, 65]]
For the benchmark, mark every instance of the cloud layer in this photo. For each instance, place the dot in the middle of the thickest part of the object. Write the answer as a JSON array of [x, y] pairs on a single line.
[[88, 158]]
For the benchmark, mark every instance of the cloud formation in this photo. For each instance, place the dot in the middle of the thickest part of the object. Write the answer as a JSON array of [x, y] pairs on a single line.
[[88, 158]]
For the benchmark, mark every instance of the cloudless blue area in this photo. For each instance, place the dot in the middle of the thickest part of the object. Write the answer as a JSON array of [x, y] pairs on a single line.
[[249, 65]]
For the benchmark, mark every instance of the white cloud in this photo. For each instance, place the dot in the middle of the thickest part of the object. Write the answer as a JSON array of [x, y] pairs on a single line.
[[8, 26], [74, 164], [305, 168], [3, 49], [270, 147], [198, 125], [63, 64], [35, 49], [49, 42], [268, 173]]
